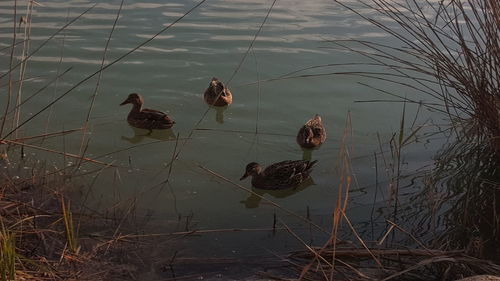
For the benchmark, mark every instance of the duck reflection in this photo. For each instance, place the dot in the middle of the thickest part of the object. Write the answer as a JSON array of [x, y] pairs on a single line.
[[307, 153], [141, 134], [253, 200], [219, 113]]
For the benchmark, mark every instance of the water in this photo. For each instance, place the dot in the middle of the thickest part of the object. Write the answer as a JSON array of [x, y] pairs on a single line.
[[172, 72]]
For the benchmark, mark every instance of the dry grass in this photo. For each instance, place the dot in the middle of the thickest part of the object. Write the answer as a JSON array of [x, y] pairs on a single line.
[[471, 198], [450, 51], [40, 237], [7, 254]]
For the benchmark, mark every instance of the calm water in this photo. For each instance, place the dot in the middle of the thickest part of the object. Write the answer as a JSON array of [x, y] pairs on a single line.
[[172, 73]]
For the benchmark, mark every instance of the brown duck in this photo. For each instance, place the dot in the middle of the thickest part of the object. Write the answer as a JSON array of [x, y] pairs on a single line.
[[217, 94], [144, 118], [312, 134], [281, 175]]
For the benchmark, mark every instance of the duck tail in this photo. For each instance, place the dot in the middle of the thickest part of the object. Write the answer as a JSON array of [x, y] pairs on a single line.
[[311, 164]]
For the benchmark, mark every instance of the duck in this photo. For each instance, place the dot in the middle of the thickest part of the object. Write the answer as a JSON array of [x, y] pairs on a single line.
[[281, 175], [144, 118], [312, 134], [217, 94]]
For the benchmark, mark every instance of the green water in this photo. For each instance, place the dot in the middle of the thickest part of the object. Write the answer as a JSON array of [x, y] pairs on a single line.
[[171, 73]]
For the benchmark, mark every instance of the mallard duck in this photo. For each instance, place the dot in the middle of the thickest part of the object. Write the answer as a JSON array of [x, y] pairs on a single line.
[[312, 134], [217, 94], [144, 118], [279, 175]]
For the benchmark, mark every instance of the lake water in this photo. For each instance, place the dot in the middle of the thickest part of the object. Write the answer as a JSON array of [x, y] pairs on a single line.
[[172, 72]]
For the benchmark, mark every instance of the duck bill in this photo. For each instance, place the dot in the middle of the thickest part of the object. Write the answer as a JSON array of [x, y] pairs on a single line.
[[244, 176], [125, 102]]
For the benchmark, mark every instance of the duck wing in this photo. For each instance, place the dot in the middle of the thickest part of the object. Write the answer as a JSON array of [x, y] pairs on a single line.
[[156, 115], [212, 96], [288, 173], [319, 131], [316, 126], [155, 119], [306, 133]]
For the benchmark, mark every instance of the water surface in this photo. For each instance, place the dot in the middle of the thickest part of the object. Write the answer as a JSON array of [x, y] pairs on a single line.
[[172, 72]]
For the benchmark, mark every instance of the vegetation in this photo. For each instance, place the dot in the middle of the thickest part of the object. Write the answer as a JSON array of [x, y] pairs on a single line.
[[7, 255], [450, 52]]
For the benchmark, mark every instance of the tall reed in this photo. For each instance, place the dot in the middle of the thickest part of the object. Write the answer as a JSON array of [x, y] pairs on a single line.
[[450, 50], [69, 227], [7, 254]]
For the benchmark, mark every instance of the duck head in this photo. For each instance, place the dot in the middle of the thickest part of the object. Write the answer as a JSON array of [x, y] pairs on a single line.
[[218, 87], [317, 118], [134, 99], [251, 170]]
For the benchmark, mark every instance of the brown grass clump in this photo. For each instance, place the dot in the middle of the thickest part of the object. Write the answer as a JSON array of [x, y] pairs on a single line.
[[450, 50], [467, 247], [39, 233]]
